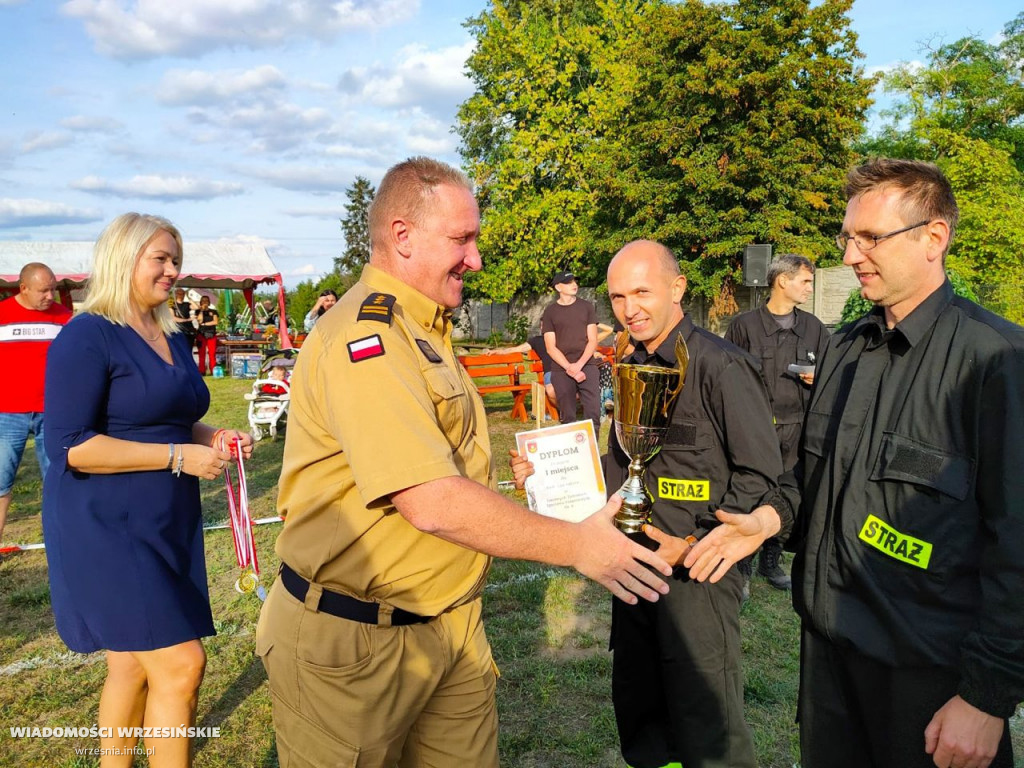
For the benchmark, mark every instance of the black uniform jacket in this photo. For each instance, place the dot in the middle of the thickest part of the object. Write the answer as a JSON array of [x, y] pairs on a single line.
[[912, 516], [721, 451], [776, 348]]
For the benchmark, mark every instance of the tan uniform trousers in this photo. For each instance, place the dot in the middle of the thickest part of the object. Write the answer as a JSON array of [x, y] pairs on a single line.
[[352, 694]]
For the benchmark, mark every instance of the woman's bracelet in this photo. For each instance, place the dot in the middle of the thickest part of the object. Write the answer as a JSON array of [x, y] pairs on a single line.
[[181, 461], [170, 455]]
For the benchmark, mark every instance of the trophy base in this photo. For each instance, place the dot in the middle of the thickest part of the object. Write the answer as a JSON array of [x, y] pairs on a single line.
[[643, 540]]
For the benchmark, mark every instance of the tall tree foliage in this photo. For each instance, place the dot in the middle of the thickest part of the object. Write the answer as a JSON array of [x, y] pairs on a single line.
[[705, 125], [529, 132], [969, 87], [356, 228], [742, 119]]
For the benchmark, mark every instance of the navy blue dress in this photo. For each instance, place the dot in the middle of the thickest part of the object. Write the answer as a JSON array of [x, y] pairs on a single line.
[[125, 550]]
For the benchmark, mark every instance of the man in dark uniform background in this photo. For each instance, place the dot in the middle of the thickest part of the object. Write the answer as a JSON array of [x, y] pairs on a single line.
[[779, 335], [677, 682], [909, 572], [372, 635]]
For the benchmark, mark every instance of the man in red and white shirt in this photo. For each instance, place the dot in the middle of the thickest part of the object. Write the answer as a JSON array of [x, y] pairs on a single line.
[[29, 321]]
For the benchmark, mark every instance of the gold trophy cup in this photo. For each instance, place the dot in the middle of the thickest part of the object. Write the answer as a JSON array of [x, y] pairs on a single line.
[[645, 397]]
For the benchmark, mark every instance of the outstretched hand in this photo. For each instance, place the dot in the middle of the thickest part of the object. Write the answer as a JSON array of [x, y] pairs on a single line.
[[738, 536], [606, 555], [671, 549]]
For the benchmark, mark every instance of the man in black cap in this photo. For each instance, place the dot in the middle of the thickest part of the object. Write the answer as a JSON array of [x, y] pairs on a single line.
[[569, 325]]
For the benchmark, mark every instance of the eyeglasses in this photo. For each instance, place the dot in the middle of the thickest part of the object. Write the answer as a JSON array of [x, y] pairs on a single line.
[[866, 243]]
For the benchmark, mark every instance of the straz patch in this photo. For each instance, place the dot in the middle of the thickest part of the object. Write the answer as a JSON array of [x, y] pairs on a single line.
[[684, 490], [897, 545], [364, 349], [428, 351], [377, 306]]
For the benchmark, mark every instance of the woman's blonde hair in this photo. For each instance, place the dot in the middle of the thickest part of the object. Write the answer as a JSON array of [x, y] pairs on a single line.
[[115, 256]]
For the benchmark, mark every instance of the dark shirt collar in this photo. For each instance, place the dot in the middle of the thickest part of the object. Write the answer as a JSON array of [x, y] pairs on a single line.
[[915, 325], [665, 354], [771, 325]]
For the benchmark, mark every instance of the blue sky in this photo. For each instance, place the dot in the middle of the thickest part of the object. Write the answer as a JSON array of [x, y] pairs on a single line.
[[247, 119]]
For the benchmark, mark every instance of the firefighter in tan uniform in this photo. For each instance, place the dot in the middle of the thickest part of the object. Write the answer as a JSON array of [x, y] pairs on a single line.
[[372, 634]]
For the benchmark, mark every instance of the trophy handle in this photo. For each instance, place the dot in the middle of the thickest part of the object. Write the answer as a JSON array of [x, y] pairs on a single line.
[[621, 345], [683, 359]]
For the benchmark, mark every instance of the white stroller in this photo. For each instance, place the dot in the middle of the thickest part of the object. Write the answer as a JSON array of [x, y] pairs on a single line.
[[269, 398]]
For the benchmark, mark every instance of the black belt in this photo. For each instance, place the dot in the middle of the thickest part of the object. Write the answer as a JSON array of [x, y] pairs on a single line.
[[343, 606]]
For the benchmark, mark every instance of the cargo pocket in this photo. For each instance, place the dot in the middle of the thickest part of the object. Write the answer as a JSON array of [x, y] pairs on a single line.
[[304, 744], [451, 402]]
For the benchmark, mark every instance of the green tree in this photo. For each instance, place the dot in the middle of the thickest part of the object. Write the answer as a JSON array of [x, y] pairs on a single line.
[[970, 87], [705, 125], [356, 228], [530, 131], [739, 132], [989, 242]]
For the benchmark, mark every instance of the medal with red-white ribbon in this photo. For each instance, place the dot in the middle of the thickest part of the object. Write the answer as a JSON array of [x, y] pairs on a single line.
[[241, 525]]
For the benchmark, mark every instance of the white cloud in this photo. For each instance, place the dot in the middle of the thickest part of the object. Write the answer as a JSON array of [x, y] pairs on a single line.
[[39, 141], [199, 88], [304, 271], [148, 28], [87, 124], [434, 80], [159, 187], [31, 212], [315, 213], [317, 180]]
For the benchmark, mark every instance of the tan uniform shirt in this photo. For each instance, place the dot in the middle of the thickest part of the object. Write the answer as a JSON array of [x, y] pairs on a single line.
[[380, 403]]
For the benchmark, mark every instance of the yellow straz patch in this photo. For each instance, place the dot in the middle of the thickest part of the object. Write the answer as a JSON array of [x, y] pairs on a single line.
[[891, 542], [684, 490]]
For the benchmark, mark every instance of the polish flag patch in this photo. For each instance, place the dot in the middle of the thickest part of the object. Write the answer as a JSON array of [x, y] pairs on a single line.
[[364, 349]]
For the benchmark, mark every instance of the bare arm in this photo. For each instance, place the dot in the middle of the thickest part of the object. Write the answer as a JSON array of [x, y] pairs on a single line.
[[104, 455], [591, 347], [466, 513], [520, 348], [551, 345]]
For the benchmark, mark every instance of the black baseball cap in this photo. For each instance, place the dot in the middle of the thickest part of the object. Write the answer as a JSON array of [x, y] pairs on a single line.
[[563, 277]]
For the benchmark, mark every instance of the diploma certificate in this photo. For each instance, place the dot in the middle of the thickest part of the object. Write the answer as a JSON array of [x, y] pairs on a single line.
[[567, 482]]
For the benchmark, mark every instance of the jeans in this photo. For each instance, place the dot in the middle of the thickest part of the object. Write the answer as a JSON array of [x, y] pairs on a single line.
[[14, 431]]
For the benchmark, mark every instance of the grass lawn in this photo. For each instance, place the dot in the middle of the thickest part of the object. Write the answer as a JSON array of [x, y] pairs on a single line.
[[548, 628]]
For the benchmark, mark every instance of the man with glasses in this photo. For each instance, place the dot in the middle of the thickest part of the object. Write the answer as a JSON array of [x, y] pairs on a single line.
[[909, 573]]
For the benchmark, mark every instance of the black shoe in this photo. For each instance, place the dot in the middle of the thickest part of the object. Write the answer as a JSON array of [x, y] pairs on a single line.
[[768, 566], [746, 567]]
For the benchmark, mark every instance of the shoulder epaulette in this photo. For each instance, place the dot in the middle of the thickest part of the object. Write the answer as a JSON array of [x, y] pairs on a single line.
[[377, 306]]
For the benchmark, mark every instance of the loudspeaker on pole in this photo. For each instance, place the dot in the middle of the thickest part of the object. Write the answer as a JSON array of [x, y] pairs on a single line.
[[755, 265]]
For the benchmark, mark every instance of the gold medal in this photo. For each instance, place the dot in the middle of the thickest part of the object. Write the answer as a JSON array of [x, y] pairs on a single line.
[[247, 582]]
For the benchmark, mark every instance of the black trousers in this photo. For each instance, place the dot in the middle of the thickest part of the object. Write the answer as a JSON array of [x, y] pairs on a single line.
[[677, 682], [566, 388], [858, 713]]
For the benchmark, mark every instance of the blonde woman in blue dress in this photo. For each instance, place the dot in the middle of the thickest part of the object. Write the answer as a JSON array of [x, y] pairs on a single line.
[[121, 507]]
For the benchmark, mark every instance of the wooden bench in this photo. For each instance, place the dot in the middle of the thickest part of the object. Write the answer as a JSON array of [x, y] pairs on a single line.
[[511, 367]]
